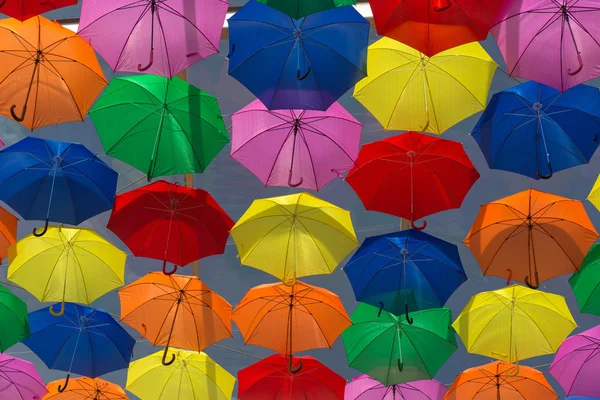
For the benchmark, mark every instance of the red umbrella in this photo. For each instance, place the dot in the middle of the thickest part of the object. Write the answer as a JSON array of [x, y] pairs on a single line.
[[412, 175], [169, 222], [270, 379], [25, 9]]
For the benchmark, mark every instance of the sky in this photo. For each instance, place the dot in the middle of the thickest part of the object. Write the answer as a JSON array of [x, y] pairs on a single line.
[[235, 188]]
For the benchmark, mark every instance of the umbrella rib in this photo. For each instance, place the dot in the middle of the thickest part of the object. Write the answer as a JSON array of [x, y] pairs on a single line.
[[135, 25], [90, 179], [413, 75], [160, 25], [457, 81], [312, 163], [384, 331], [397, 68], [200, 164], [273, 44], [263, 132], [321, 133], [470, 348]]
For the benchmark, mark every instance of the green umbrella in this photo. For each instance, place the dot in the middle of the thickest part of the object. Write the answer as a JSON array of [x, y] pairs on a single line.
[[301, 8], [13, 314], [159, 126], [391, 350], [586, 282]]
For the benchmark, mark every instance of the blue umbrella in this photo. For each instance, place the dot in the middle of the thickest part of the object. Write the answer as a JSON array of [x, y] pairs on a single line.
[[83, 340], [303, 64], [405, 271], [55, 181], [535, 130]]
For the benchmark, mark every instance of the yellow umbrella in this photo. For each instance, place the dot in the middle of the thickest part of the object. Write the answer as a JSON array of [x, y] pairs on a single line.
[[514, 323], [294, 236], [66, 264], [192, 376], [406, 90], [594, 196]]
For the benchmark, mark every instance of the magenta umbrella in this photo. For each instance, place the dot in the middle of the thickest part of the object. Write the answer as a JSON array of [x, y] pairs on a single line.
[[366, 388], [296, 148], [563, 36], [19, 380], [159, 37], [577, 363]]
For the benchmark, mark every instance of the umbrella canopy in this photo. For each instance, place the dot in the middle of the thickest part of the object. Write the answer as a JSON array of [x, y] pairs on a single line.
[[85, 388], [535, 130], [67, 264], [498, 380], [170, 222], [560, 35], [392, 351], [269, 379], [312, 236], [160, 126], [366, 388], [514, 323], [296, 148], [412, 175], [586, 282], [55, 181], [194, 376], [13, 313], [434, 26], [175, 310], [159, 37], [406, 90], [19, 380], [594, 196], [48, 74], [8, 231], [305, 63], [405, 271], [531, 236], [302, 8], [25, 9], [576, 364], [83, 340]]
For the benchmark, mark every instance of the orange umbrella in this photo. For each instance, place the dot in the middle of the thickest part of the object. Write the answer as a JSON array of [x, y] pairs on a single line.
[[8, 231], [48, 74], [497, 380], [175, 310], [530, 235], [290, 319], [85, 388]]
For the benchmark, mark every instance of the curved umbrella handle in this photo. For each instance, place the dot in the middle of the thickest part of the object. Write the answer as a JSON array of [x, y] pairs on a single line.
[[400, 365], [2, 3], [579, 68], [423, 129], [418, 228], [439, 8], [62, 388], [517, 369], [145, 68], [532, 285], [164, 358], [21, 117], [294, 184], [59, 313], [303, 77], [291, 368], [380, 309], [337, 172], [408, 319], [43, 232], [289, 283], [164, 268], [509, 276], [145, 331], [546, 176]]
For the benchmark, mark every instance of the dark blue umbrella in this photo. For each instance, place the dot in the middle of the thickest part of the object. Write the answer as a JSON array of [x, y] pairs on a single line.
[[534, 130], [83, 340], [55, 181], [297, 64], [405, 271]]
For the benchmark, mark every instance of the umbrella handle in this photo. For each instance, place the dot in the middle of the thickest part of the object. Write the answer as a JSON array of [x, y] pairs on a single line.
[[291, 368], [231, 51], [509, 276], [289, 283], [43, 232], [517, 369], [142, 69], [164, 268], [2, 3], [579, 68], [380, 309], [442, 8], [418, 228], [294, 184], [408, 319], [59, 313], [164, 358], [400, 365], [337, 172], [23, 110], [531, 285], [62, 388], [145, 331], [546, 176], [303, 77]]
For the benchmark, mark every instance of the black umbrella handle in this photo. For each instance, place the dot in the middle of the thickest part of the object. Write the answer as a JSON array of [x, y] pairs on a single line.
[[291, 368], [62, 388], [303, 77], [18, 118], [531, 285], [43, 232], [380, 309], [164, 357], [408, 319], [550, 173]]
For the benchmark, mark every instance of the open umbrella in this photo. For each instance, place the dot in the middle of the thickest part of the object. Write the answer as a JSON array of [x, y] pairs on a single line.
[[159, 37], [594, 196], [306, 63], [55, 181], [302, 8], [586, 282], [13, 314], [412, 175], [25, 9], [406, 90], [170, 222], [535, 130], [160, 126], [19, 380], [8, 231], [296, 148], [85, 388], [366, 388], [48, 74]]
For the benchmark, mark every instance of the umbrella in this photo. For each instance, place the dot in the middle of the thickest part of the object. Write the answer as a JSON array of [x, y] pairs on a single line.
[[514, 323], [412, 175], [434, 26], [83, 341], [13, 314], [496, 380], [25, 9], [296, 148], [85, 388], [366, 388], [406, 90], [536, 130], [67, 264], [554, 42], [392, 351], [48, 70], [194, 376], [170, 222], [8, 231], [533, 234], [586, 282], [576, 364], [312, 236], [302, 8], [19, 380], [159, 126], [405, 271], [55, 181], [159, 37], [269, 379], [306, 63], [594, 196], [175, 310], [290, 319]]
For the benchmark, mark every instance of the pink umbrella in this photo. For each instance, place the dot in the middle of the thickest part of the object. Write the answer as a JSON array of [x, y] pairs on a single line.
[[554, 42], [366, 388], [296, 148], [577, 363], [159, 37], [19, 380]]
